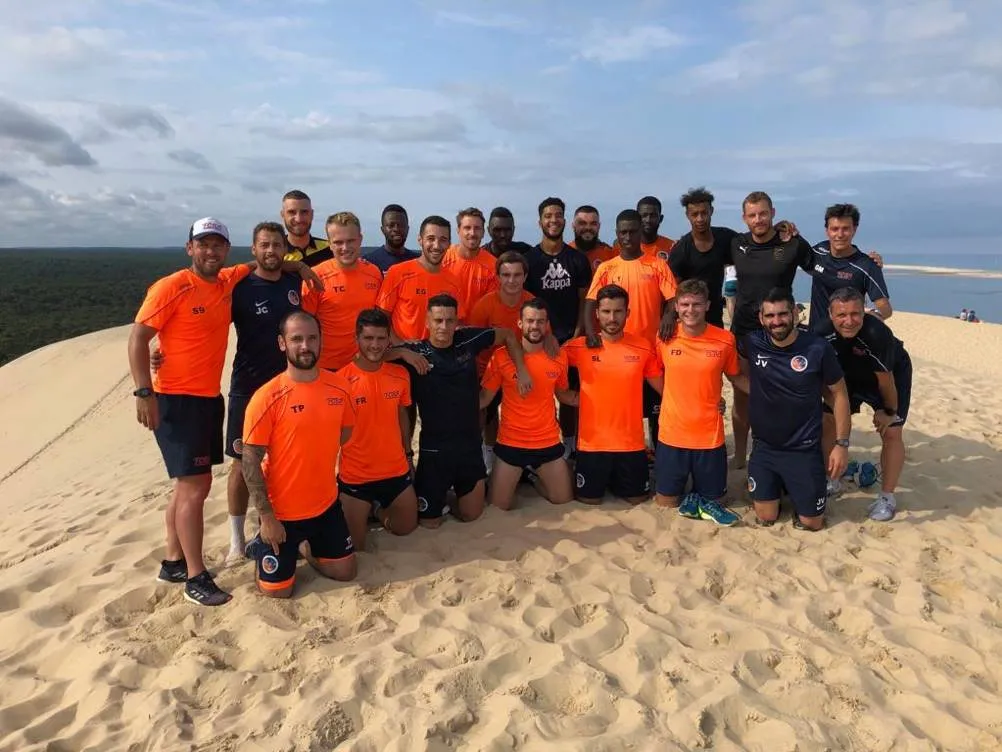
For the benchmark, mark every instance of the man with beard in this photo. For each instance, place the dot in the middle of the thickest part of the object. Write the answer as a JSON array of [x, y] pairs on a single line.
[[529, 437], [375, 472], [560, 276], [651, 243], [293, 432], [878, 372], [611, 452], [471, 264], [448, 400], [297, 214], [351, 284], [189, 312], [791, 371], [409, 286], [586, 226], [395, 226], [501, 228]]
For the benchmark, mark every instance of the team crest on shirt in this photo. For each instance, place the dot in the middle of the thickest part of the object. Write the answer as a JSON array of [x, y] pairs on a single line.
[[269, 564], [798, 363], [777, 253], [293, 297]]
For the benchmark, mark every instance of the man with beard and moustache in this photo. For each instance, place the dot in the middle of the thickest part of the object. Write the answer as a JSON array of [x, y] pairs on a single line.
[[189, 312], [501, 228], [472, 265], [878, 372], [448, 399], [297, 214], [651, 243], [611, 452], [586, 225], [836, 263], [791, 372], [650, 286], [560, 276], [375, 474], [395, 227], [294, 429], [529, 436], [409, 286], [351, 284]]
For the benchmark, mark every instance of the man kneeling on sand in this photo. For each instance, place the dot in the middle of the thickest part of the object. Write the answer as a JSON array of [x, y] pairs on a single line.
[[299, 420]]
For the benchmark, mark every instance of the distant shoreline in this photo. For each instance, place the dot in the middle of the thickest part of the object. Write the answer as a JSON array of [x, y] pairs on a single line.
[[946, 271]]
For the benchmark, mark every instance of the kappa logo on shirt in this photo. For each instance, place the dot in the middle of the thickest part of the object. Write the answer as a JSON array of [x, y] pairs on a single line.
[[556, 277]]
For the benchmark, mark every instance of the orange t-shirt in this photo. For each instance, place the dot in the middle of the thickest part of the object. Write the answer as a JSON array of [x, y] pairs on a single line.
[[192, 319], [660, 248], [648, 281], [477, 276], [694, 368], [528, 422], [612, 392], [376, 450], [405, 293], [598, 254], [491, 312], [299, 424], [346, 292]]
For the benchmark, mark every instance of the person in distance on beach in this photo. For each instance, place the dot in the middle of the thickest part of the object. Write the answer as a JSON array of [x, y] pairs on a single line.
[[587, 225], [501, 227], [790, 372], [878, 372], [651, 242], [448, 401], [297, 214], [471, 264], [293, 432], [529, 436], [189, 312], [395, 226], [351, 284], [696, 356], [375, 473], [611, 448]]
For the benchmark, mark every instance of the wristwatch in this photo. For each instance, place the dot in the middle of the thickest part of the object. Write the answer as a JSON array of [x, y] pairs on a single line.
[[143, 392], [890, 412], [842, 443]]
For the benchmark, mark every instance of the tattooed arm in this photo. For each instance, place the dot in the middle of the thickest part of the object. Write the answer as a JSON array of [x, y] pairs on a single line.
[[272, 531]]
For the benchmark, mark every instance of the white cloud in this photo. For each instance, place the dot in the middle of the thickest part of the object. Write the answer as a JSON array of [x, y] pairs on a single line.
[[190, 158], [637, 43], [503, 21]]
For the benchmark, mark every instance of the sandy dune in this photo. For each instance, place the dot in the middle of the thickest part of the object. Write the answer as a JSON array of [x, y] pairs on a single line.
[[541, 629]]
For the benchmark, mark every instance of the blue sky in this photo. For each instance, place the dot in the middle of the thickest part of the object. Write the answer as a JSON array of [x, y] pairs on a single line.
[[121, 122]]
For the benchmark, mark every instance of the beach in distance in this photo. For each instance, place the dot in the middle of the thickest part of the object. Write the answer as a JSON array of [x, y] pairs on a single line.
[[573, 628]]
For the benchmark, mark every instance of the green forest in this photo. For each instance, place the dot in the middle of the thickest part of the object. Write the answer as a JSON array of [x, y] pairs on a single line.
[[48, 295]]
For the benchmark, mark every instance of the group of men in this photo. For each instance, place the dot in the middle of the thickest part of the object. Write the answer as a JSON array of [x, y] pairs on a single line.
[[340, 348]]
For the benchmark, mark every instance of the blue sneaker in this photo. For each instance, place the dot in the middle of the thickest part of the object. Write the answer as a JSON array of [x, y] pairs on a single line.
[[850, 470], [256, 548], [868, 475], [713, 510], [690, 506]]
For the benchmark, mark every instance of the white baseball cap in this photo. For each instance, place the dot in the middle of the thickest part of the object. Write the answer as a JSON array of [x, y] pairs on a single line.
[[208, 226]]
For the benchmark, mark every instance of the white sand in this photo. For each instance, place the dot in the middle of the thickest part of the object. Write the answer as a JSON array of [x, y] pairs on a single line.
[[541, 629]]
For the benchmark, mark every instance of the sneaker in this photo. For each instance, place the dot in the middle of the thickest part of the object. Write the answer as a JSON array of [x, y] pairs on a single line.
[[850, 471], [715, 511], [690, 506], [833, 489], [202, 589], [173, 572], [256, 548], [868, 475], [882, 509]]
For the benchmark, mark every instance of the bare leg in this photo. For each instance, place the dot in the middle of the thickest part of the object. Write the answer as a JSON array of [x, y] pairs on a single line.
[[401, 517], [504, 481], [356, 514], [555, 479], [892, 458], [471, 506], [671, 502], [190, 495], [739, 422], [237, 497], [767, 511]]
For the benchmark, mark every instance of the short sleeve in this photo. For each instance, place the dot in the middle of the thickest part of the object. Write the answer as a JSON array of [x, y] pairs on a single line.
[[258, 421], [161, 302], [231, 275], [582, 271], [309, 299], [881, 342], [653, 366], [805, 254], [348, 414], [597, 281], [830, 368], [731, 365], [667, 281], [678, 261], [476, 339], [562, 382], [570, 351], [481, 314], [492, 376], [876, 288], [406, 400], [389, 292]]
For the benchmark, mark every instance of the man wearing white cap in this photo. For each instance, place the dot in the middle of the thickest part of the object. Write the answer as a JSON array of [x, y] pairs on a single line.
[[189, 313]]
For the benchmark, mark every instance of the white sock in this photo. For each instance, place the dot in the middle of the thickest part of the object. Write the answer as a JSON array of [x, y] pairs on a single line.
[[237, 530], [570, 444], [889, 495], [488, 452]]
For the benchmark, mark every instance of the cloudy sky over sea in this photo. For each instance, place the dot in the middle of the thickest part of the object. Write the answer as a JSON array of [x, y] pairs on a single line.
[[121, 122]]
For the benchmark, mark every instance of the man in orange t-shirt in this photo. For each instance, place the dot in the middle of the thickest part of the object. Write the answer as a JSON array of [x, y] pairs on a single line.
[[650, 284], [586, 225], [472, 264], [376, 473], [351, 284], [611, 448], [293, 431], [696, 356], [529, 437], [189, 312], [409, 286]]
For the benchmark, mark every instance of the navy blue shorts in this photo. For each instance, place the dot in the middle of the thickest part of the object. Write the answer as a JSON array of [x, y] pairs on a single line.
[[623, 474], [528, 458], [329, 540], [460, 468], [236, 408], [707, 467], [190, 433], [800, 472], [381, 493], [902, 384]]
